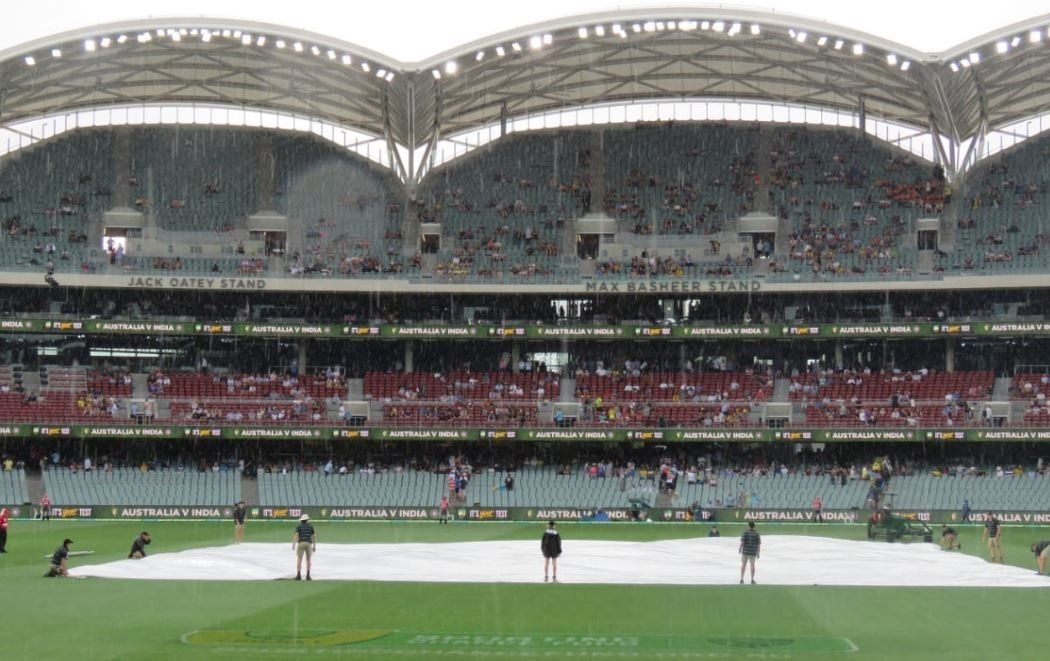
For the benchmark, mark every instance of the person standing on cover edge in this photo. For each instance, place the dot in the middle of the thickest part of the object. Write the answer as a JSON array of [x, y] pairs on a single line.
[[3, 530], [550, 544], [994, 532], [305, 543], [240, 514], [750, 547], [444, 510], [818, 508], [59, 559]]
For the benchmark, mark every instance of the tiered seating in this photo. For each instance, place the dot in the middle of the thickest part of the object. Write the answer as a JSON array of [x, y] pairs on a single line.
[[251, 386], [49, 407], [795, 491], [264, 412], [13, 489], [469, 413], [850, 202], [349, 214], [461, 385], [50, 195], [881, 386], [927, 415], [113, 385], [1006, 493], [502, 210], [679, 178], [130, 486], [675, 386]]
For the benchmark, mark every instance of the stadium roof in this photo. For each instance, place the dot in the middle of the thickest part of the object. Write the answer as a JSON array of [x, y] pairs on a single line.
[[653, 53]]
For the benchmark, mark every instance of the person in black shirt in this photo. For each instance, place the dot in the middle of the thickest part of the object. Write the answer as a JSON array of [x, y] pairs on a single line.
[[240, 514], [1041, 550], [59, 566], [994, 533], [550, 545], [305, 543], [138, 547], [714, 532], [750, 547]]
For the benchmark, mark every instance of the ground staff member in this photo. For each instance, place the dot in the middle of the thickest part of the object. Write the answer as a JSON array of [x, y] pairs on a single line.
[[138, 547], [59, 559], [1041, 550], [305, 543], [750, 547], [240, 514], [3, 530], [550, 545]]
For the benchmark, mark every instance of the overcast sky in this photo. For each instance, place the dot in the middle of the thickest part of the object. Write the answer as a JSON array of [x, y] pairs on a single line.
[[414, 30]]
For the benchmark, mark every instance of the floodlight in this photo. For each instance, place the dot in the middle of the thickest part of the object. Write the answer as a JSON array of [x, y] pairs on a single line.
[[315, 50], [823, 40], [365, 67], [347, 60], [791, 32], [705, 25], [891, 60], [451, 67], [858, 49], [330, 54], [105, 42], [839, 44], [599, 30], [756, 29], [298, 47], [718, 26], [1001, 47], [89, 45], [261, 41], [30, 60], [975, 57], [436, 74], [175, 36], [548, 39], [390, 76], [965, 64], [236, 34], [122, 38], [480, 56], [500, 52], [226, 34], [582, 32], [160, 32], [801, 38], [535, 43], [617, 28], [1015, 41], [56, 52], [905, 65], [649, 26], [194, 32], [516, 47], [636, 28], [280, 43], [1035, 36], [183, 31], [671, 25], [246, 39], [955, 67], [734, 29], [205, 36]]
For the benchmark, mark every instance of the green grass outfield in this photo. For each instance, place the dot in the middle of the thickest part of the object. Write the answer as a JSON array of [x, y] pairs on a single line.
[[129, 619]]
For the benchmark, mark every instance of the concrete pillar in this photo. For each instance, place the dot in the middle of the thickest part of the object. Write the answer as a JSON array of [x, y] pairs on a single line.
[[838, 354], [949, 355], [682, 358], [122, 162], [266, 172], [302, 355], [515, 356], [410, 356]]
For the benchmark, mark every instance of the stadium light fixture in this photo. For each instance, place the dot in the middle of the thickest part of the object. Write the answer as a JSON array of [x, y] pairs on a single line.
[[195, 32], [891, 60], [965, 63], [718, 26], [617, 28], [649, 26], [160, 32], [236, 34], [705, 25], [451, 67], [30, 61], [297, 47], [905, 65], [480, 56], [184, 32], [144, 38], [261, 41], [205, 36], [516, 47], [792, 33], [105, 42], [822, 40], [955, 67], [582, 32], [500, 52], [347, 60], [1015, 41], [756, 29], [56, 52], [801, 38], [331, 54], [975, 57], [280, 44], [858, 49], [660, 26], [1035, 36], [548, 39], [122, 38], [688, 26], [365, 67], [436, 74], [672, 25], [89, 45], [734, 29], [389, 76], [599, 30], [246, 39], [315, 50], [839, 44], [1001, 47], [175, 36], [535, 43], [381, 73], [226, 34], [636, 28]]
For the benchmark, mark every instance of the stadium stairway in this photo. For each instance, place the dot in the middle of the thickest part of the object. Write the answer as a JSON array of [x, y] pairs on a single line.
[[1001, 389], [34, 487], [249, 490], [765, 148], [139, 385]]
